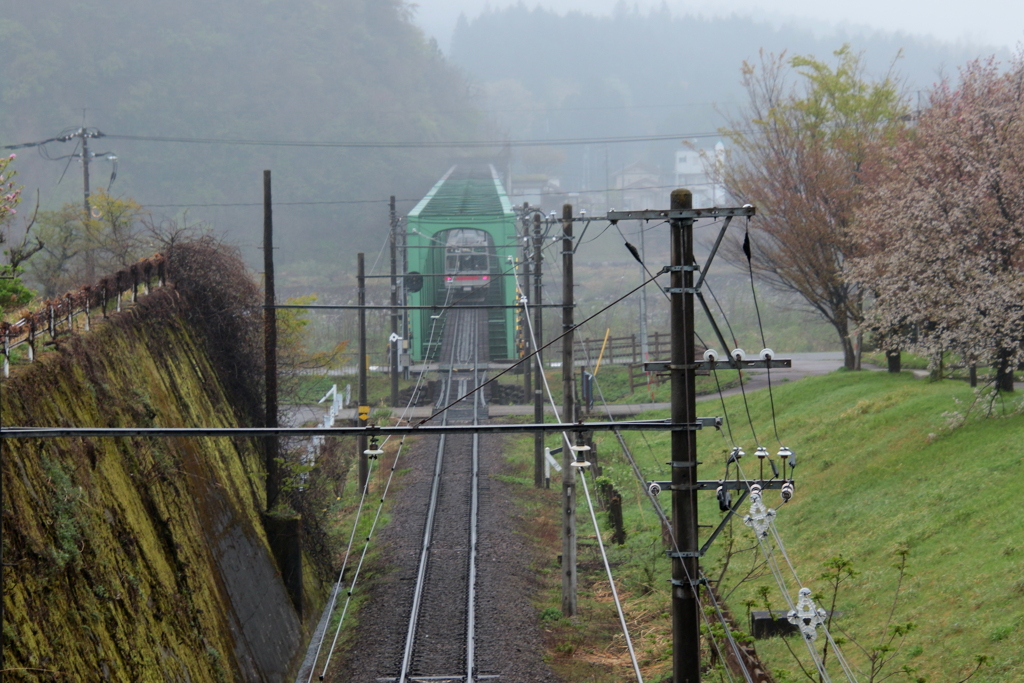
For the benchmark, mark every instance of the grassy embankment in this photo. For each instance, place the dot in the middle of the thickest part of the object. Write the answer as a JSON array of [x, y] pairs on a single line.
[[879, 469]]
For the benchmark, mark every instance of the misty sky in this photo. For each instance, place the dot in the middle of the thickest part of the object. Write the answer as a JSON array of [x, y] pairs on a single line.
[[996, 23]]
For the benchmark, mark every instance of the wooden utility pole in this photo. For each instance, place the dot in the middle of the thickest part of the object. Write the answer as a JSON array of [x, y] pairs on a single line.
[[683, 366], [269, 339], [685, 568], [90, 258], [364, 404], [538, 366], [393, 341], [568, 415]]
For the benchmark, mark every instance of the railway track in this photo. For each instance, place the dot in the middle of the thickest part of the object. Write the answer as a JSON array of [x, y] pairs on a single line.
[[441, 637]]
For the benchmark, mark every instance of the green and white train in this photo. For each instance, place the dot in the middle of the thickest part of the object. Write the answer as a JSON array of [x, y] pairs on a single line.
[[461, 240]]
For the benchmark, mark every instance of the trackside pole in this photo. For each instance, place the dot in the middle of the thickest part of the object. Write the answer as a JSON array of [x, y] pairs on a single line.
[[685, 568], [538, 334], [364, 407], [396, 347], [568, 410], [269, 343]]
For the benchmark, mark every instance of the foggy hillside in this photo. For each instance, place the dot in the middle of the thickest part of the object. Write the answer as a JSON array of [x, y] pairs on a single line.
[[635, 73], [347, 70]]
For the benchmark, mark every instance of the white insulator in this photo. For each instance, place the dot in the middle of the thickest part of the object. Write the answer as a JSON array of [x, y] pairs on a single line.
[[738, 354], [788, 455], [762, 452], [736, 454], [711, 356], [766, 354], [807, 616], [787, 491], [755, 491], [654, 488]]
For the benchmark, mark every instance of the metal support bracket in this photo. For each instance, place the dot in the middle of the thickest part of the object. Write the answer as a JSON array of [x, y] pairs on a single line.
[[721, 525], [682, 269], [731, 485], [672, 554], [690, 583], [707, 366], [667, 214]]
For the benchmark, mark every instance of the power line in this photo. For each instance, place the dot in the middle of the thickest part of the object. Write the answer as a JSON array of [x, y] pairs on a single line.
[[426, 144]]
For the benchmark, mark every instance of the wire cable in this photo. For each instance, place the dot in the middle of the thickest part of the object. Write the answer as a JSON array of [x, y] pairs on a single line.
[[764, 345], [352, 585], [668, 525], [537, 351], [597, 529]]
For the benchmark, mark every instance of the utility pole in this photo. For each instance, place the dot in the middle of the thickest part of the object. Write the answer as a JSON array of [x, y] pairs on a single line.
[[538, 367], [685, 568], [644, 344], [404, 237], [568, 415], [85, 174], [269, 339], [683, 366], [90, 261], [364, 404], [395, 344], [527, 374]]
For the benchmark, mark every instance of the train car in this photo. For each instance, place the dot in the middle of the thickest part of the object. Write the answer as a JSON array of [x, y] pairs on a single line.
[[467, 260], [460, 240]]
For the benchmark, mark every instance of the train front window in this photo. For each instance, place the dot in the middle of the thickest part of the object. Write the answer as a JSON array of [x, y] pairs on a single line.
[[471, 263]]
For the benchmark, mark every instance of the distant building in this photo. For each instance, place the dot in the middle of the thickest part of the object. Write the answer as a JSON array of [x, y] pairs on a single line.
[[692, 165], [637, 186]]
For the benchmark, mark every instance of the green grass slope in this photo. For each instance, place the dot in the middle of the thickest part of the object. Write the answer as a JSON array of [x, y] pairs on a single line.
[[881, 469]]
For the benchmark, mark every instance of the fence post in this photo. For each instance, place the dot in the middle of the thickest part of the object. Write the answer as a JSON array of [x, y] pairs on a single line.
[[70, 312], [32, 338], [88, 308], [7, 353], [135, 282], [117, 286], [634, 347]]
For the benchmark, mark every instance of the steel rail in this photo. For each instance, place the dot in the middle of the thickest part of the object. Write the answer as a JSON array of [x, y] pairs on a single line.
[[428, 532], [460, 342], [473, 514]]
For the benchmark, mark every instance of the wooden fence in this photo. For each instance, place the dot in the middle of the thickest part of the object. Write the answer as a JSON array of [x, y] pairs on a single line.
[[623, 349], [61, 315]]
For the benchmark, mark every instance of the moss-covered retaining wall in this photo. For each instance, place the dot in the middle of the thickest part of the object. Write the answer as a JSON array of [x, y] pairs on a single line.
[[133, 559]]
